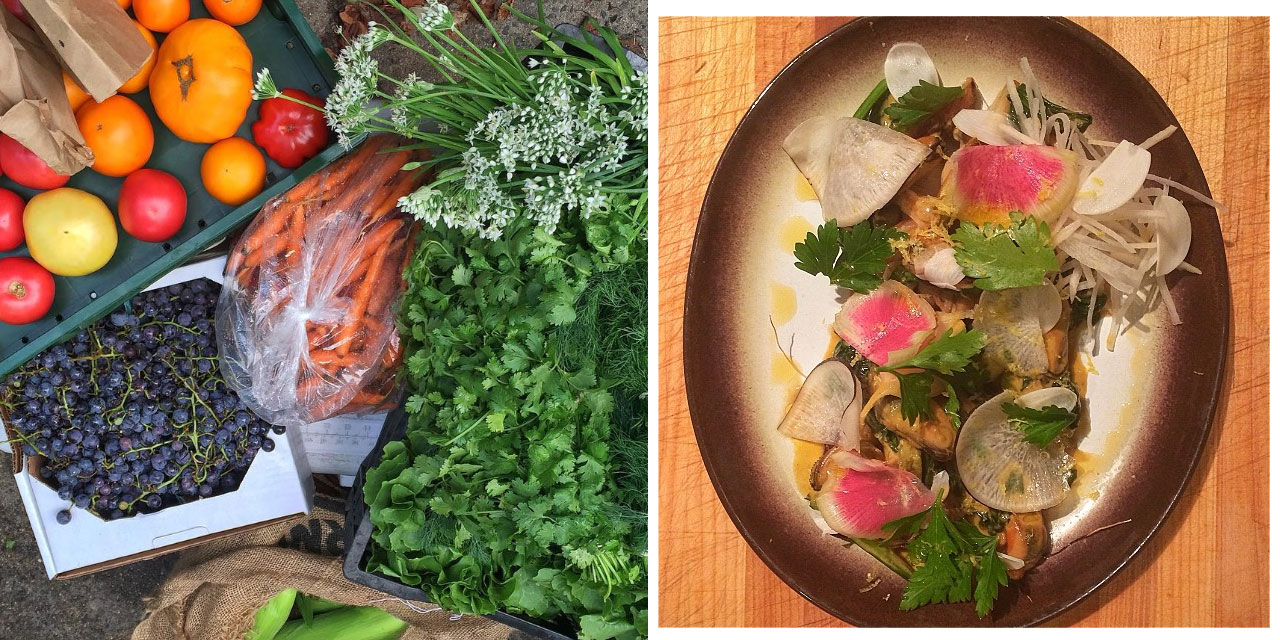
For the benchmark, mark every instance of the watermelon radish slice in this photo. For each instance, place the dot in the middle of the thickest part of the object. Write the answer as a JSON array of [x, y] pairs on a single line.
[[985, 183], [887, 325], [860, 496]]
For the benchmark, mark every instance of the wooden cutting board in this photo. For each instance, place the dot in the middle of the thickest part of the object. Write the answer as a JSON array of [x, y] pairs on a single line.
[[1208, 564]]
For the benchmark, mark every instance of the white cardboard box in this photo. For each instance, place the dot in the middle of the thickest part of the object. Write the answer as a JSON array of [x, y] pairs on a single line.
[[277, 486]]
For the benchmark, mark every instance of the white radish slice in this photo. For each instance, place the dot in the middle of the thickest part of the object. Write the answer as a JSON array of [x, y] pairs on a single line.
[[820, 410], [851, 423], [860, 496], [1004, 471], [1173, 233], [1011, 563], [1015, 321], [1049, 397], [854, 166], [1115, 181], [937, 265], [906, 66], [989, 127]]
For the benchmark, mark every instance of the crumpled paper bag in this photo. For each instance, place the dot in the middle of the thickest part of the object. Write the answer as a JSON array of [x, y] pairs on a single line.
[[34, 109], [95, 40]]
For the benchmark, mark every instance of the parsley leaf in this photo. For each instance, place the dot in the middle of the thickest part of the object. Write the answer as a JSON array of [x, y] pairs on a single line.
[[852, 257], [991, 576], [922, 101], [1005, 258], [952, 405], [914, 392], [1039, 426], [951, 556], [946, 355]]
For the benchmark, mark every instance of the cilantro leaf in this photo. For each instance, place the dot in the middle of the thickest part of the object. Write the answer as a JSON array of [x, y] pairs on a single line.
[[1005, 258], [1039, 426], [852, 257], [914, 392], [946, 355], [916, 105]]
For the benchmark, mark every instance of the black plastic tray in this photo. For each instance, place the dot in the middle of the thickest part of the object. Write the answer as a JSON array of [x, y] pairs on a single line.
[[359, 530], [281, 40]]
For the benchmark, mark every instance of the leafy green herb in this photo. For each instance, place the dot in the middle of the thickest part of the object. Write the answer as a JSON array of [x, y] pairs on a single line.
[[1039, 426], [922, 101], [952, 405], [851, 257], [1081, 120], [1005, 257], [520, 484], [869, 108], [947, 354], [914, 393], [951, 556]]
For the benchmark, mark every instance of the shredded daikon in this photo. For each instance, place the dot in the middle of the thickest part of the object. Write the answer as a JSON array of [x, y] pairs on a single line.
[[1115, 252], [1153, 140]]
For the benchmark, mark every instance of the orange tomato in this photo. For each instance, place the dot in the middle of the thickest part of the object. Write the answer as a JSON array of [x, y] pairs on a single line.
[[162, 15], [75, 94], [233, 12], [124, 4], [139, 81], [119, 133], [233, 171]]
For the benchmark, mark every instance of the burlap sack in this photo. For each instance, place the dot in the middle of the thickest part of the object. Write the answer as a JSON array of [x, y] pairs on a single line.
[[214, 589]]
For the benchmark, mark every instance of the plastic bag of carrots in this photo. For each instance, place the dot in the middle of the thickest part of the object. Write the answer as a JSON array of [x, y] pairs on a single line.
[[306, 320]]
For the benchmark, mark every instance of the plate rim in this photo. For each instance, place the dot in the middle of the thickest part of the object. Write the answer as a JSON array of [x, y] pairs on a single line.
[[1222, 336]]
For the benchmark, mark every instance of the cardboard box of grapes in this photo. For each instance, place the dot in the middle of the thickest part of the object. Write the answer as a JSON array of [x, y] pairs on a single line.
[[73, 514]]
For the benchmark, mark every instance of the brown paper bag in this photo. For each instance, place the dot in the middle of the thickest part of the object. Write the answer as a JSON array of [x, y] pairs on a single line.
[[95, 40], [33, 103]]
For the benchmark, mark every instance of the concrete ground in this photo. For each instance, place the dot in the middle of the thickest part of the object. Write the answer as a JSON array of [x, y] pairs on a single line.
[[107, 605]]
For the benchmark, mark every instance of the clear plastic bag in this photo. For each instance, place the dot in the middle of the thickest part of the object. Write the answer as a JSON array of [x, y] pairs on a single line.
[[306, 319]]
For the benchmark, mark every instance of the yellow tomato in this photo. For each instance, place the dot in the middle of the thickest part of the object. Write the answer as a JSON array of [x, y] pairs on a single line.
[[69, 232]]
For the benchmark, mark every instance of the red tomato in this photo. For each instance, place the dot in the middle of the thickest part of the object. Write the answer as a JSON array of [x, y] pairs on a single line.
[[289, 132], [11, 206], [27, 169], [153, 205], [26, 290]]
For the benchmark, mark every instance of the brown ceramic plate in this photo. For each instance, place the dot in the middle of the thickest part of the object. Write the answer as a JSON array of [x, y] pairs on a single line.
[[1152, 404]]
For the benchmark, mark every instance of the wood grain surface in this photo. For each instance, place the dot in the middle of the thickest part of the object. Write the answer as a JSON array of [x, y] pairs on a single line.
[[1208, 564]]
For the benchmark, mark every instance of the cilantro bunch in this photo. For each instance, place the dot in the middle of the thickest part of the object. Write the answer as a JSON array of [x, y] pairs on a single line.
[[513, 489]]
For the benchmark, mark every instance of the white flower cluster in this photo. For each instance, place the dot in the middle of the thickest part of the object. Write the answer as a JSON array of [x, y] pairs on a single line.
[[567, 138], [636, 115], [434, 16], [411, 88], [264, 88], [347, 108]]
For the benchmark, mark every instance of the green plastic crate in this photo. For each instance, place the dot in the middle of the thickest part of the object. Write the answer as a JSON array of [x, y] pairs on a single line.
[[280, 39]]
